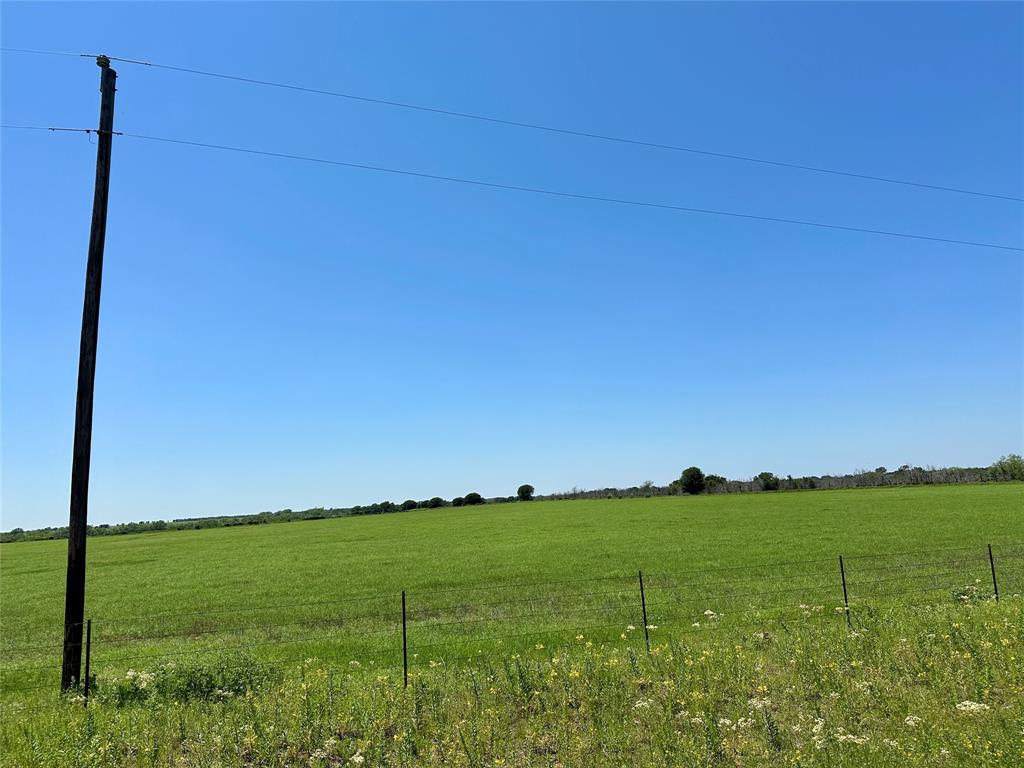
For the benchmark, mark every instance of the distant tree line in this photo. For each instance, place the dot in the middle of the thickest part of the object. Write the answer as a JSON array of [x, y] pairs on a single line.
[[525, 493], [691, 481]]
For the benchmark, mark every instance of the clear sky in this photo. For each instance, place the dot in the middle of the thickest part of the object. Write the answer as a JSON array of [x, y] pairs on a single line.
[[280, 334]]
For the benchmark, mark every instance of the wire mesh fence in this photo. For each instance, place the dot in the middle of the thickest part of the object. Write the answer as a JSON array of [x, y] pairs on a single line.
[[401, 633]]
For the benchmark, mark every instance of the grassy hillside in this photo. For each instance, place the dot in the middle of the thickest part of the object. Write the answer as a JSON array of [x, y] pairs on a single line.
[[425, 549], [486, 583]]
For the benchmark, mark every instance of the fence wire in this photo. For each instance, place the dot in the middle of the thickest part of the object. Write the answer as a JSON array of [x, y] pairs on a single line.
[[442, 624]]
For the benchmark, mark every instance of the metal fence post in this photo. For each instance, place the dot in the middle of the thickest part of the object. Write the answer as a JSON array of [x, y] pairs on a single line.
[[846, 598], [992, 565], [405, 647], [643, 607], [88, 658]]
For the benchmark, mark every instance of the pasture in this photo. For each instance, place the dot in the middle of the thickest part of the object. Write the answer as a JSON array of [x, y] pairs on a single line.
[[524, 580], [342, 579]]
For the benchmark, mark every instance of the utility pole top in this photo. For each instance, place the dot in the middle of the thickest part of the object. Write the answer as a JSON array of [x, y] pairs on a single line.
[[102, 61]]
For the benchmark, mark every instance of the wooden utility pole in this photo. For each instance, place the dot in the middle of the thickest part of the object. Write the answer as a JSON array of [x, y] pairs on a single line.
[[74, 595]]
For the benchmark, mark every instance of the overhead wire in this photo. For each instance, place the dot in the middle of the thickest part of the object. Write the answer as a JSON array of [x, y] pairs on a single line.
[[539, 190], [571, 195], [578, 133]]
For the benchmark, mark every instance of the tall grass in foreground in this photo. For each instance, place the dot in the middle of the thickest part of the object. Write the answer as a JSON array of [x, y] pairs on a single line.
[[925, 686]]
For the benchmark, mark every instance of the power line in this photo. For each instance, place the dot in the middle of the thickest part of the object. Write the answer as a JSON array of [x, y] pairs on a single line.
[[537, 126], [548, 192], [41, 53], [572, 195], [48, 128]]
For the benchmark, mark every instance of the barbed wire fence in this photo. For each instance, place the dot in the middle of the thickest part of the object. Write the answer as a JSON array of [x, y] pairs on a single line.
[[400, 633]]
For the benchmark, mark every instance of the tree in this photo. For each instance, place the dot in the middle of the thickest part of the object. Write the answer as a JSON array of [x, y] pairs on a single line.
[[692, 481], [768, 481], [1009, 467], [458, 501], [408, 504], [525, 492], [435, 502], [473, 498], [713, 482]]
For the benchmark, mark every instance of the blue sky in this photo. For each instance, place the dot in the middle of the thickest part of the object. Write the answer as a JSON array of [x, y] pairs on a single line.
[[278, 334]]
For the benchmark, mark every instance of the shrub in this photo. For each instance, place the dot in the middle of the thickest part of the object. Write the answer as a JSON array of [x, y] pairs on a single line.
[[435, 502], [134, 688], [969, 593], [473, 498], [525, 492], [458, 501], [768, 481], [218, 679], [408, 504], [221, 678]]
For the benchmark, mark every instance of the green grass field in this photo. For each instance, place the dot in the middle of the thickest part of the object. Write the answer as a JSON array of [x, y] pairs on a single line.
[[526, 578]]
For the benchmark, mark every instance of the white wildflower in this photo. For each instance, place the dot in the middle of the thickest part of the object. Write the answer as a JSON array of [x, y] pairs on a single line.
[[972, 707], [818, 731], [849, 738], [139, 679]]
